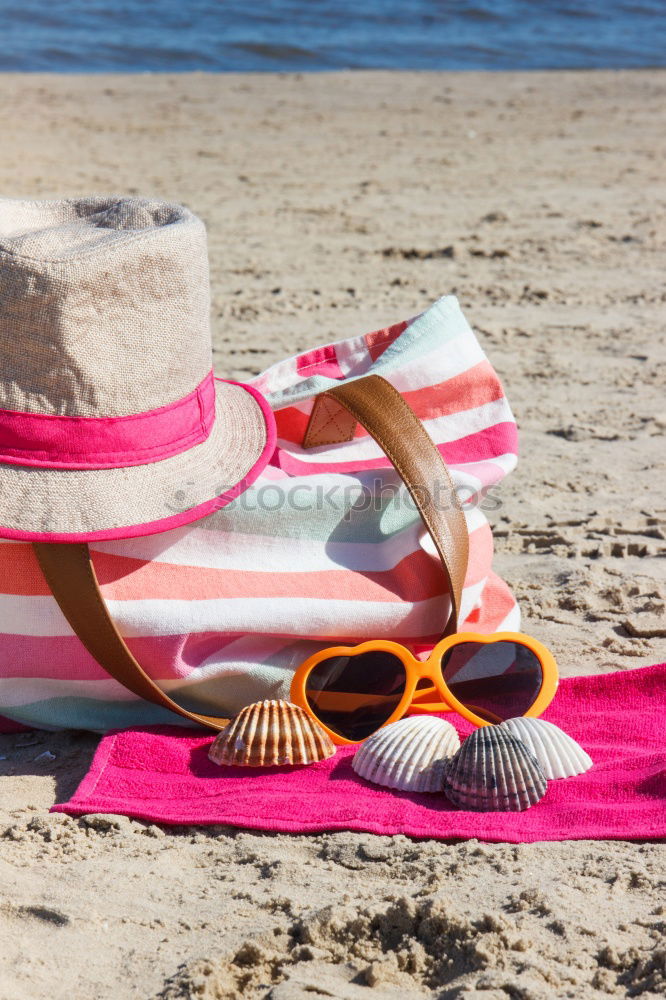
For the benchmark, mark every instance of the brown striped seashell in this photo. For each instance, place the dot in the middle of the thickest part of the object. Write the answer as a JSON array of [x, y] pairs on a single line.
[[494, 772], [270, 733], [408, 754]]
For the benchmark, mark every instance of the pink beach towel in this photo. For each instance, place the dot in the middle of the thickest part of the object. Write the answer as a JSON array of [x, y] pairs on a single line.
[[620, 718]]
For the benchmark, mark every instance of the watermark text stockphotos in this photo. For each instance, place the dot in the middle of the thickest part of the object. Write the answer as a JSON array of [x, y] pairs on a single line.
[[352, 499]]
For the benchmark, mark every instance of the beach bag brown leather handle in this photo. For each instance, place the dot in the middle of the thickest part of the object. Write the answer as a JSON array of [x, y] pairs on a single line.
[[370, 401]]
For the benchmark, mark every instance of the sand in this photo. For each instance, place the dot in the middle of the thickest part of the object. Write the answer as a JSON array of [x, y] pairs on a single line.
[[338, 204]]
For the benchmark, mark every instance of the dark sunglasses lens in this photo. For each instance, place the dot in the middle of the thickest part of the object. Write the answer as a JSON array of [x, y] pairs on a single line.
[[354, 695], [495, 680]]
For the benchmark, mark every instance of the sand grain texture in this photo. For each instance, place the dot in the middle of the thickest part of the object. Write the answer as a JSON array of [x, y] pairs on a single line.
[[336, 205]]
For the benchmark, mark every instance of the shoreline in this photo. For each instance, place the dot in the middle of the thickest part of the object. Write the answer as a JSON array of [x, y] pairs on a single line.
[[351, 71]]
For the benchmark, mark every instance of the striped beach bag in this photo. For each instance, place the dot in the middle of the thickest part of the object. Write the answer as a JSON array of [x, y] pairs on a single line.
[[326, 544]]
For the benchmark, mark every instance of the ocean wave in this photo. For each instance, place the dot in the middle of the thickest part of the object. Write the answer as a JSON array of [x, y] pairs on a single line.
[[294, 35]]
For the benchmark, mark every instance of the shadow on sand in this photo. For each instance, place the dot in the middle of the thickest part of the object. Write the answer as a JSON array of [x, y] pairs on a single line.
[[64, 756]]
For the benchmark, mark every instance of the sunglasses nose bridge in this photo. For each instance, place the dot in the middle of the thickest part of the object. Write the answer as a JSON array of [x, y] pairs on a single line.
[[429, 670]]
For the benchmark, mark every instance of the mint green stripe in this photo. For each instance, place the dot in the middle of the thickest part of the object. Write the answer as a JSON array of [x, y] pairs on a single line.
[[91, 714], [315, 519], [435, 327]]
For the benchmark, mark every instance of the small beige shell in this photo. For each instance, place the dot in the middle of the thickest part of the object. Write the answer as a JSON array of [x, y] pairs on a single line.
[[270, 733], [408, 754], [494, 772], [559, 755]]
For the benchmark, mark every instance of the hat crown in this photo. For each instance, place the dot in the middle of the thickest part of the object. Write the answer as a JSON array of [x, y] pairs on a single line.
[[104, 305]]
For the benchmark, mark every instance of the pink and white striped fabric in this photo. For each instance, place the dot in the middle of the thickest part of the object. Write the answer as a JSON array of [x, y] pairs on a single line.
[[325, 545]]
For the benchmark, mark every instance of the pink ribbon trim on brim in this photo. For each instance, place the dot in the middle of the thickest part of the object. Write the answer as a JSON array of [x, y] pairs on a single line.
[[56, 442]]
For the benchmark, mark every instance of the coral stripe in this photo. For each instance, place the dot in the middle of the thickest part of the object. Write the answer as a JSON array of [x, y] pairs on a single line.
[[124, 578], [381, 339], [418, 577], [20, 572], [475, 387], [497, 602]]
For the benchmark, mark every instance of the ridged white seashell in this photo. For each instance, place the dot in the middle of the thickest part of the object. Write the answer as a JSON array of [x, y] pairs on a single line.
[[408, 754], [270, 733], [494, 772], [559, 755]]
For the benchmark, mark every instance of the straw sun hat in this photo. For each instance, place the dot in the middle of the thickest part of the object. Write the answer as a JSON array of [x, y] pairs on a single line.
[[111, 422]]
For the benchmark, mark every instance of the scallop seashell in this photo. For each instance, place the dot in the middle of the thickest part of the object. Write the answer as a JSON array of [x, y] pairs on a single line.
[[408, 754], [268, 733], [494, 772], [559, 755]]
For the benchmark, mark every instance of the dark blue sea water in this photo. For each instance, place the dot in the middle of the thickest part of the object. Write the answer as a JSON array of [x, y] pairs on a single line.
[[303, 35]]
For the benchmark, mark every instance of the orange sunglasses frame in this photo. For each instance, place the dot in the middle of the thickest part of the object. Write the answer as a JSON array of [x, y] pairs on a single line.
[[429, 669]]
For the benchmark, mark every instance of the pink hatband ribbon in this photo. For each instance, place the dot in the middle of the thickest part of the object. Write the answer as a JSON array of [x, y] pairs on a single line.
[[56, 442]]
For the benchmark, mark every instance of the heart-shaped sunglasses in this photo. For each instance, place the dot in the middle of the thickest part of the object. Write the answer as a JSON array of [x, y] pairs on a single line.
[[352, 691]]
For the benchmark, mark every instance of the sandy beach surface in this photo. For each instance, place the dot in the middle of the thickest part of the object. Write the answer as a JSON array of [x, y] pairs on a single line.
[[337, 204]]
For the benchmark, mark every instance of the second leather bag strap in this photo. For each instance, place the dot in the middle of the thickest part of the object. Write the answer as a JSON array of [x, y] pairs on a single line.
[[70, 574], [370, 401]]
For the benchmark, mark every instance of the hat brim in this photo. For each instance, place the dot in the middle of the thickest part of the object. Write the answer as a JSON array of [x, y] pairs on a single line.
[[82, 505]]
